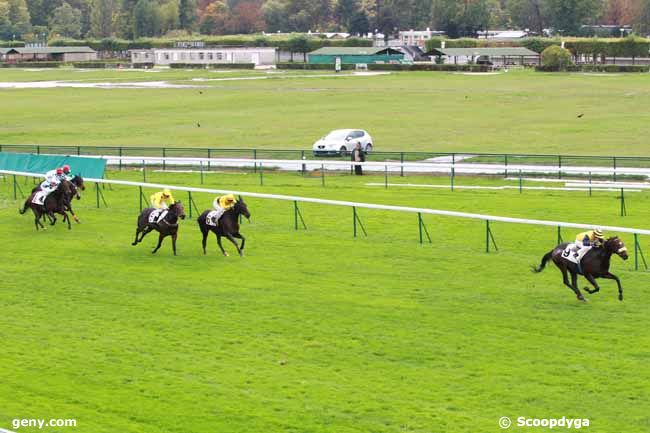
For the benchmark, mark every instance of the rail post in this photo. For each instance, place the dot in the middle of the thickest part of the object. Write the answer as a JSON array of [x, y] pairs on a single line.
[[614, 165], [559, 235], [97, 194], [505, 158], [590, 192], [144, 171], [201, 169], [452, 178], [255, 157], [322, 174], [164, 155], [401, 167], [119, 153], [141, 195], [209, 157], [261, 175], [559, 166], [190, 201], [489, 237], [422, 227], [386, 176], [15, 188], [521, 183], [623, 209], [355, 219], [297, 214], [638, 252]]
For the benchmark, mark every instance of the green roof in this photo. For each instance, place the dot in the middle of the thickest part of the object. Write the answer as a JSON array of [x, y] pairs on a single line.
[[492, 52], [354, 51], [49, 50]]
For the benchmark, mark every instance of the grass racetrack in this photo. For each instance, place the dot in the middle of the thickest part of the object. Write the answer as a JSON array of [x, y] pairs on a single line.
[[314, 331], [516, 112]]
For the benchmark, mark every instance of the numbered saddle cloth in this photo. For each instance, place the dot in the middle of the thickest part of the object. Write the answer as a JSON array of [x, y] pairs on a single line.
[[212, 218], [156, 215], [39, 197], [574, 256]]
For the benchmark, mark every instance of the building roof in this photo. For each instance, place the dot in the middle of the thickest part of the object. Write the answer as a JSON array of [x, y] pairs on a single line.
[[492, 52], [49, 50], [354, 51]]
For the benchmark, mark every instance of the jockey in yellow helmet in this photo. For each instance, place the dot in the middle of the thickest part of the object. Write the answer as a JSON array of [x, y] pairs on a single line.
[[586, 240], [222, 204], [162, 199]]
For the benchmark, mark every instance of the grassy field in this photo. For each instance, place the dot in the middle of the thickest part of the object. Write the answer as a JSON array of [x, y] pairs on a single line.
[[512, 112], [315, 331]]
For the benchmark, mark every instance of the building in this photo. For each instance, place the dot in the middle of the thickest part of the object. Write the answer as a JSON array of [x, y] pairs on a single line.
[[488, 56], [502, 34], [418, 37], [47, 54], [355, 55], [204, 56]]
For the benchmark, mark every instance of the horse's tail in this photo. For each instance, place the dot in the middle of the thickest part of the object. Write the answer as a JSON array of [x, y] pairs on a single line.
[[542, 265]]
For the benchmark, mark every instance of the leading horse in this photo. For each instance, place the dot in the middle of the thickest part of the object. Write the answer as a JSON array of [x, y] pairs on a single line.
[[595, 264], [167, 226], [228, 226]]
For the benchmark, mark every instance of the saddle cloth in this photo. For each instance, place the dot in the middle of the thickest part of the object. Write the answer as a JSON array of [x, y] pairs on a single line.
[[212, 218], [39, 197], [570, 254], [157, 215]]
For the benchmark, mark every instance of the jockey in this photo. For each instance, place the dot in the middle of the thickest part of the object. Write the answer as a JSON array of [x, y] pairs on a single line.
[[586, 240], [66, 172], [161, 201], [53, 179], [222, 204]]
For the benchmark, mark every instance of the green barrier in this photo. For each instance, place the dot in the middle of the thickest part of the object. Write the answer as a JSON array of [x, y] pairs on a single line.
[[41, 164]]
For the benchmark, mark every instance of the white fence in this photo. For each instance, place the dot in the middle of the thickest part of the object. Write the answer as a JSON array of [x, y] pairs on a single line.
[[355, 205]]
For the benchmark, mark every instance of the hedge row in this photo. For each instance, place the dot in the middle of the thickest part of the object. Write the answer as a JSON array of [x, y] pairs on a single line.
[[212, 65], [32, 65], [282, 42], [597, 68], [427, 67], [318, 66], [610, 47]]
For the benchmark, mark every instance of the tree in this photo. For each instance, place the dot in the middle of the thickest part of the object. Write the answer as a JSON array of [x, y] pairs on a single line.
[[275, 16], [169, 19], [556, 58], [41, 11], [187, 14], [462, 18], [19, 18], [82, 6], [344, 12], [642, 17], [101, 18], [359, 24], [527, 14], [246, 17], [567, 16], [124, 18], [299, 44], [215, 19], [66, 21], [5, 24], [146, 19]]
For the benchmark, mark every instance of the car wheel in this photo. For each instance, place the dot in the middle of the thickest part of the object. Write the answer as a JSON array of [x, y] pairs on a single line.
[[368, 147], [343, 151]]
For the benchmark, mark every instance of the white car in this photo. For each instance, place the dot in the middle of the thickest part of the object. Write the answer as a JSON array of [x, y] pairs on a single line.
[[342, 141]]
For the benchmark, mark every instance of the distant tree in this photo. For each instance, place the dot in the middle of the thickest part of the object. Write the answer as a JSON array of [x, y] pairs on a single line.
[[620, 12], [527, 14], [84, 7], [215, 19], [5, 24], [246, 18], [124, 18], [275, 16], [41, 11], [19, 18], [359, 24], [345, 11], [642, 17], [568, 16], [557, 58], [462, 18], [146, 19], [66, 21], [169, 17], [101, 18], [299, 44], [187, 14]]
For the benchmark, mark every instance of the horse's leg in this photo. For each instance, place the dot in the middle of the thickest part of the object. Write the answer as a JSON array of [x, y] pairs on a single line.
[[145, 231], [204, 241], [76, 219], [593, 282], [137, 232], [574, 282], [160, 239], [243, 240], [174, 236], [66, 218], [611, 276], [234, 242], [221, 246]]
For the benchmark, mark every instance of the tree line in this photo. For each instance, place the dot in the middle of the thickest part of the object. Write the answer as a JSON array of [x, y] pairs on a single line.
[[36, 20]]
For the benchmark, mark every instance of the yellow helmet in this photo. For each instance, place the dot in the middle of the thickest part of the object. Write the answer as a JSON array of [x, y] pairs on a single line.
[[167, 192], [598, 233]]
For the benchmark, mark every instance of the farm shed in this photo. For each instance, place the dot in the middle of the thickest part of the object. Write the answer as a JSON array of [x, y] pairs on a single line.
[[48, 54], [355, 55], [503, 56]]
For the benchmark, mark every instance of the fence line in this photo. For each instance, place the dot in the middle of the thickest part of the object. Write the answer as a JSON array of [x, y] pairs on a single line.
[[482, 217]]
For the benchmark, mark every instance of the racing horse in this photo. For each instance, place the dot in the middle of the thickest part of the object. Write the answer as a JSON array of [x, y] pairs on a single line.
[[56, 202], [228, 226], [76, 184], [167, 226], [595, 264]]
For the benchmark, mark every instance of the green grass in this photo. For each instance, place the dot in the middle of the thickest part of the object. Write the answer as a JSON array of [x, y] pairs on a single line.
[[314, 331], [515, 112]]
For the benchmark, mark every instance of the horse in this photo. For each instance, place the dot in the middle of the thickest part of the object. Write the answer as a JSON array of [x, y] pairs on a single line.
[[168, 226], [595, 264], [76, 184], [228, 226], [54, 203]]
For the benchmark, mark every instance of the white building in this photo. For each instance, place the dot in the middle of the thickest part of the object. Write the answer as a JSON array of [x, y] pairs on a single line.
[[205, 56], [502, 34], [417, 37]]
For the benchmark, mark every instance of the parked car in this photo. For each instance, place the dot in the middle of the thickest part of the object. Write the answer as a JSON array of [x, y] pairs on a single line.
[[342, 141]]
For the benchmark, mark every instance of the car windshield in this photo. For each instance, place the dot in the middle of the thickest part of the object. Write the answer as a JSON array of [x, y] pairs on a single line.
[[339, 134]]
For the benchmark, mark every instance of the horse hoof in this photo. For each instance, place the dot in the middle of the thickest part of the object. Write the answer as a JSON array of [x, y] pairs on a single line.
[[226, 254], [620, 297]]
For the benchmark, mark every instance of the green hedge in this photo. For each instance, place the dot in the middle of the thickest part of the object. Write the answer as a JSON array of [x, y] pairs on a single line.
[[282, 42], [318, 66], [212, 65], [32, 65], [428, 67], [597, 68]]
